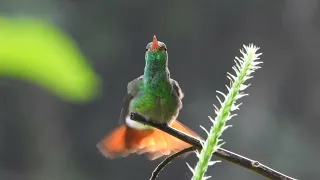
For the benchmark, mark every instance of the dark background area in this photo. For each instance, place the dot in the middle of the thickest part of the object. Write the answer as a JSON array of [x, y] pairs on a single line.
[[45, 138]]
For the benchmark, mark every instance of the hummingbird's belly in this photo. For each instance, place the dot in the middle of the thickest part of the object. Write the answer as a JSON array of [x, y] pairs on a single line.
[[156, 109]]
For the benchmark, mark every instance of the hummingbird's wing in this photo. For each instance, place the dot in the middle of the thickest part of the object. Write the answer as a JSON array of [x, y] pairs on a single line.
[[125, 108], [176, 89], [132, 89]]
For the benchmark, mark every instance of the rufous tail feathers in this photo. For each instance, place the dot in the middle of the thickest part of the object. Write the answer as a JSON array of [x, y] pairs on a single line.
[[155, 143]]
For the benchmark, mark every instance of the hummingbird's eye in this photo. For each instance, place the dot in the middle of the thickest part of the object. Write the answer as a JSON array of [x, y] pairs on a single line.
[[163, 48]]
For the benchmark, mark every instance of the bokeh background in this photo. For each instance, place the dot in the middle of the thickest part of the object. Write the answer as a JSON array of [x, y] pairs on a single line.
[[44, 137]]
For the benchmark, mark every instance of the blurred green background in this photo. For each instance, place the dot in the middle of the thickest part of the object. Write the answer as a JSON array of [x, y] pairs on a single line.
[[62, 88]]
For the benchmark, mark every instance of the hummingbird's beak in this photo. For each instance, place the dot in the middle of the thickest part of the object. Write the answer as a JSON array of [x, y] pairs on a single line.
[[155, 44]]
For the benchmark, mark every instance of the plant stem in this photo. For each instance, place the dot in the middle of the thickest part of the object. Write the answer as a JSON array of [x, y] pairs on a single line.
[[165, 162], [243, 69], [222, 153]]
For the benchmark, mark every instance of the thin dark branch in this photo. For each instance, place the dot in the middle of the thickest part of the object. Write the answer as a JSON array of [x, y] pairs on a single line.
[[222, 153], [165, 162]]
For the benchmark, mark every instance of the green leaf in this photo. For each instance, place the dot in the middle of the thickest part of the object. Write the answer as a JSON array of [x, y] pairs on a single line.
[[34, 50]]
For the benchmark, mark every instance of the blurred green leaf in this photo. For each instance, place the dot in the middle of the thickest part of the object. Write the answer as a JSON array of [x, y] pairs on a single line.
[[36, 51]]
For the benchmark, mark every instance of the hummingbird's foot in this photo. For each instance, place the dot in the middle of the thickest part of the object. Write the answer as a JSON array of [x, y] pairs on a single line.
[[139, 118]]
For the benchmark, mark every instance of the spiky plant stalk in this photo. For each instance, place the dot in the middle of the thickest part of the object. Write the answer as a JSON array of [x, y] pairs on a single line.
[[243, 69]]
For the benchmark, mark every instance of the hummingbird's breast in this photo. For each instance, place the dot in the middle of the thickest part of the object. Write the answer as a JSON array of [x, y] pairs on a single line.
[[159, 109]]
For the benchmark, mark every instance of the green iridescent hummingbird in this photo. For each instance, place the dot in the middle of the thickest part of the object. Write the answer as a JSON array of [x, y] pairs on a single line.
[[155, 96]]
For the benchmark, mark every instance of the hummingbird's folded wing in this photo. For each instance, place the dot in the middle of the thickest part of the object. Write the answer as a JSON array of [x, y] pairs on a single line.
[[132, 90], [125, 108], [176, 88]]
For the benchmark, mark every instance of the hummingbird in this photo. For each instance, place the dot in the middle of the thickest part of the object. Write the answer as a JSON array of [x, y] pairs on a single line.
[[158, 98]]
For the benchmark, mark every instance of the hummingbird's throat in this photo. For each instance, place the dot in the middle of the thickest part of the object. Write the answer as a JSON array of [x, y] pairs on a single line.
[[157, 82]]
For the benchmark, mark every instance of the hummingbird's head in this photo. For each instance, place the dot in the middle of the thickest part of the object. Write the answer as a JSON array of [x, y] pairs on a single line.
[[156, 52]]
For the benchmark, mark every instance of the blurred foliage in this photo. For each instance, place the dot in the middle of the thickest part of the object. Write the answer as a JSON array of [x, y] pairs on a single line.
[[36, 51]]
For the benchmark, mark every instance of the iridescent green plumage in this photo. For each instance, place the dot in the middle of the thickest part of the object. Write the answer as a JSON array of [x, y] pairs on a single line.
[[154, 95]]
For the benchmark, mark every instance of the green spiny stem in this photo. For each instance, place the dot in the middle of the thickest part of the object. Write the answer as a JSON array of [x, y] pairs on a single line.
[[243, 68]]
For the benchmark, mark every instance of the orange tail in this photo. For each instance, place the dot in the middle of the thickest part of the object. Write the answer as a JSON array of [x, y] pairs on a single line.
[[125, 140]]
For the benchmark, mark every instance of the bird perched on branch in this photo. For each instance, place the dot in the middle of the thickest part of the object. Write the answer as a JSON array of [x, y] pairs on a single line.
[[155, 96]]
